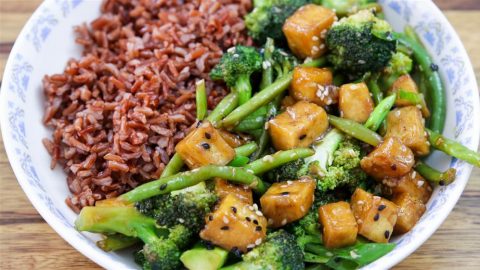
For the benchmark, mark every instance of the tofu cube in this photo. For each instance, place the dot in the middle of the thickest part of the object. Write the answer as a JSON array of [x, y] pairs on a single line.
[[306, 29], [204, 146], [375, 216], [289, 201], [408, 125], [390, 159], [412, 183], [410, 211], [234, 224], [339, 225], [314, 85], [299, 126], [223, 188], [355, 102]]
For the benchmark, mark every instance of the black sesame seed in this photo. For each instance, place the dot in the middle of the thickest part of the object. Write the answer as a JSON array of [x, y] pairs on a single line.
[[248, 219], [210, 217], [236, 252], [255, 222], [163, 186], [258, 228], [208, 245], [205, 146], [234, 209], [302, 137], [249, 249], [225, 228], [381, 207], [207, 135], [441, 183], [376, 217], [434, 67], [387, 234], [394, 167], [199, 123], [285, 193]]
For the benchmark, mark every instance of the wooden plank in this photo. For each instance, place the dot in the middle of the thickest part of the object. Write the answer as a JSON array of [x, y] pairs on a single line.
[[458, 4]]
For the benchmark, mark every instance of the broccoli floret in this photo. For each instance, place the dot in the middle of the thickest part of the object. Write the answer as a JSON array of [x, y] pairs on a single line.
[[161, 248], [292, 170], [235, 68], [399, 65], [268, 17], [345, 7], [187, 207], [283, 62], [360, 43], [279, 251]]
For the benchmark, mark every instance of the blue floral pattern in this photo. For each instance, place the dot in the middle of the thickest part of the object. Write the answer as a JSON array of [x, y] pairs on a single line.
[[431, 29]]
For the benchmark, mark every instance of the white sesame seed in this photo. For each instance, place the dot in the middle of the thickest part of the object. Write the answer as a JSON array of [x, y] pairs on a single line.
[[420, 183], [315, 49], [414, 174], [251, 208], [315, 38], [289, 182], [258, 241], [361, 62], [284, 221], [250, 246], [302, 208], [181, 220], [322, 46], [231, 50], [260, 214], [255, 206], [225, 220], [270, 221], [329, 254]]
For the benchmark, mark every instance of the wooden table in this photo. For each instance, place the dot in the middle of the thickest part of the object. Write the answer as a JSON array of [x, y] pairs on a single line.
[[27, 242]]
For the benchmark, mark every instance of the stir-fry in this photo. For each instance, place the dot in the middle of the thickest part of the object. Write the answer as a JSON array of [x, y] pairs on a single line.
[[314, 160]]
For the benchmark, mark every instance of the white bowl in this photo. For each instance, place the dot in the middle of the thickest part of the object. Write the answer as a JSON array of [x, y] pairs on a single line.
[[47, 42]]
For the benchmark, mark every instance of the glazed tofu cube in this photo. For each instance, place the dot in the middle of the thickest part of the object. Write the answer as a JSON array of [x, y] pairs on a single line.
[[408, 125], [412, 183], [232, 139], [298, 126], [306, 29], [286, 202], [223, 188], [355, 102], [339, 225], [375, 215], [235, 224], [405, 83], [204, 146], [390, 159], [410, 211], [314, 85]]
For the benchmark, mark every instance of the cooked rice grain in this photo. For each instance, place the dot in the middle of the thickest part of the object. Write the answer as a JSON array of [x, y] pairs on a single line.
[[118, 111]]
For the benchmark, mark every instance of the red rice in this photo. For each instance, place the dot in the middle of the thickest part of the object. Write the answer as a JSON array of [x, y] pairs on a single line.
[[118, 111]]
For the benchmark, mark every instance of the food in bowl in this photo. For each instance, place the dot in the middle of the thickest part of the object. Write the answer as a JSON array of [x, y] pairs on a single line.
[[310, 166]]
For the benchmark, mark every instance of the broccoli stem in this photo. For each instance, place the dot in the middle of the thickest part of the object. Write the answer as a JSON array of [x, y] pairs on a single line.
[[279, 158], [435, 86], [243, 88], [434, 176], [355, 130], [201, 100], [375, 89], [115, 242], [267, 75], [324, 150], [453, 148], [380, 112], [246, 149], [186, 179]]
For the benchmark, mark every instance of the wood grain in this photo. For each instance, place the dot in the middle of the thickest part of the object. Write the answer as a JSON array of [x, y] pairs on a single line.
[[27, 242]]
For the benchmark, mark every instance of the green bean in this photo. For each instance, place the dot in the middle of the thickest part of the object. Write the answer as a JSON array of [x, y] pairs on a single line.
[[267, 75], [435, 87], [265, 96], [255, 120], [226, 106], [246, 149], [410, 33], [414, 99], [189, 178], [380, 112], [264, 139], [239, 161], [279, 158], [314, 62], [372, 83], [434, 176], [174, 165], [201, 99], [355, 130], [115, 242], [453, 148]]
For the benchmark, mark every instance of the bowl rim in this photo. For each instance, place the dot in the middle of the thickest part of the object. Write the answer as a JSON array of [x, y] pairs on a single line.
[[103, 260]]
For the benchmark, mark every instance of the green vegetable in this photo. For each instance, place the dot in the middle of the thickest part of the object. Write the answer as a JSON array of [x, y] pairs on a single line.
[[186, 179], [355, 130], [201, 257], [360, 43], [414, 99], [277, 159], [279, 251], [246, 149], [453, 148], [256, 120], [267, 74], [288, 171], [434, 176], [115, 242], [380, 112], [435, 86], [400, 64], [159, 252], [235, 68], [186, 207], [267, 18], [239, 161], [201, 100], [324, 150], [377, 93], [174, 165], [345, 7], [352, 257]]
